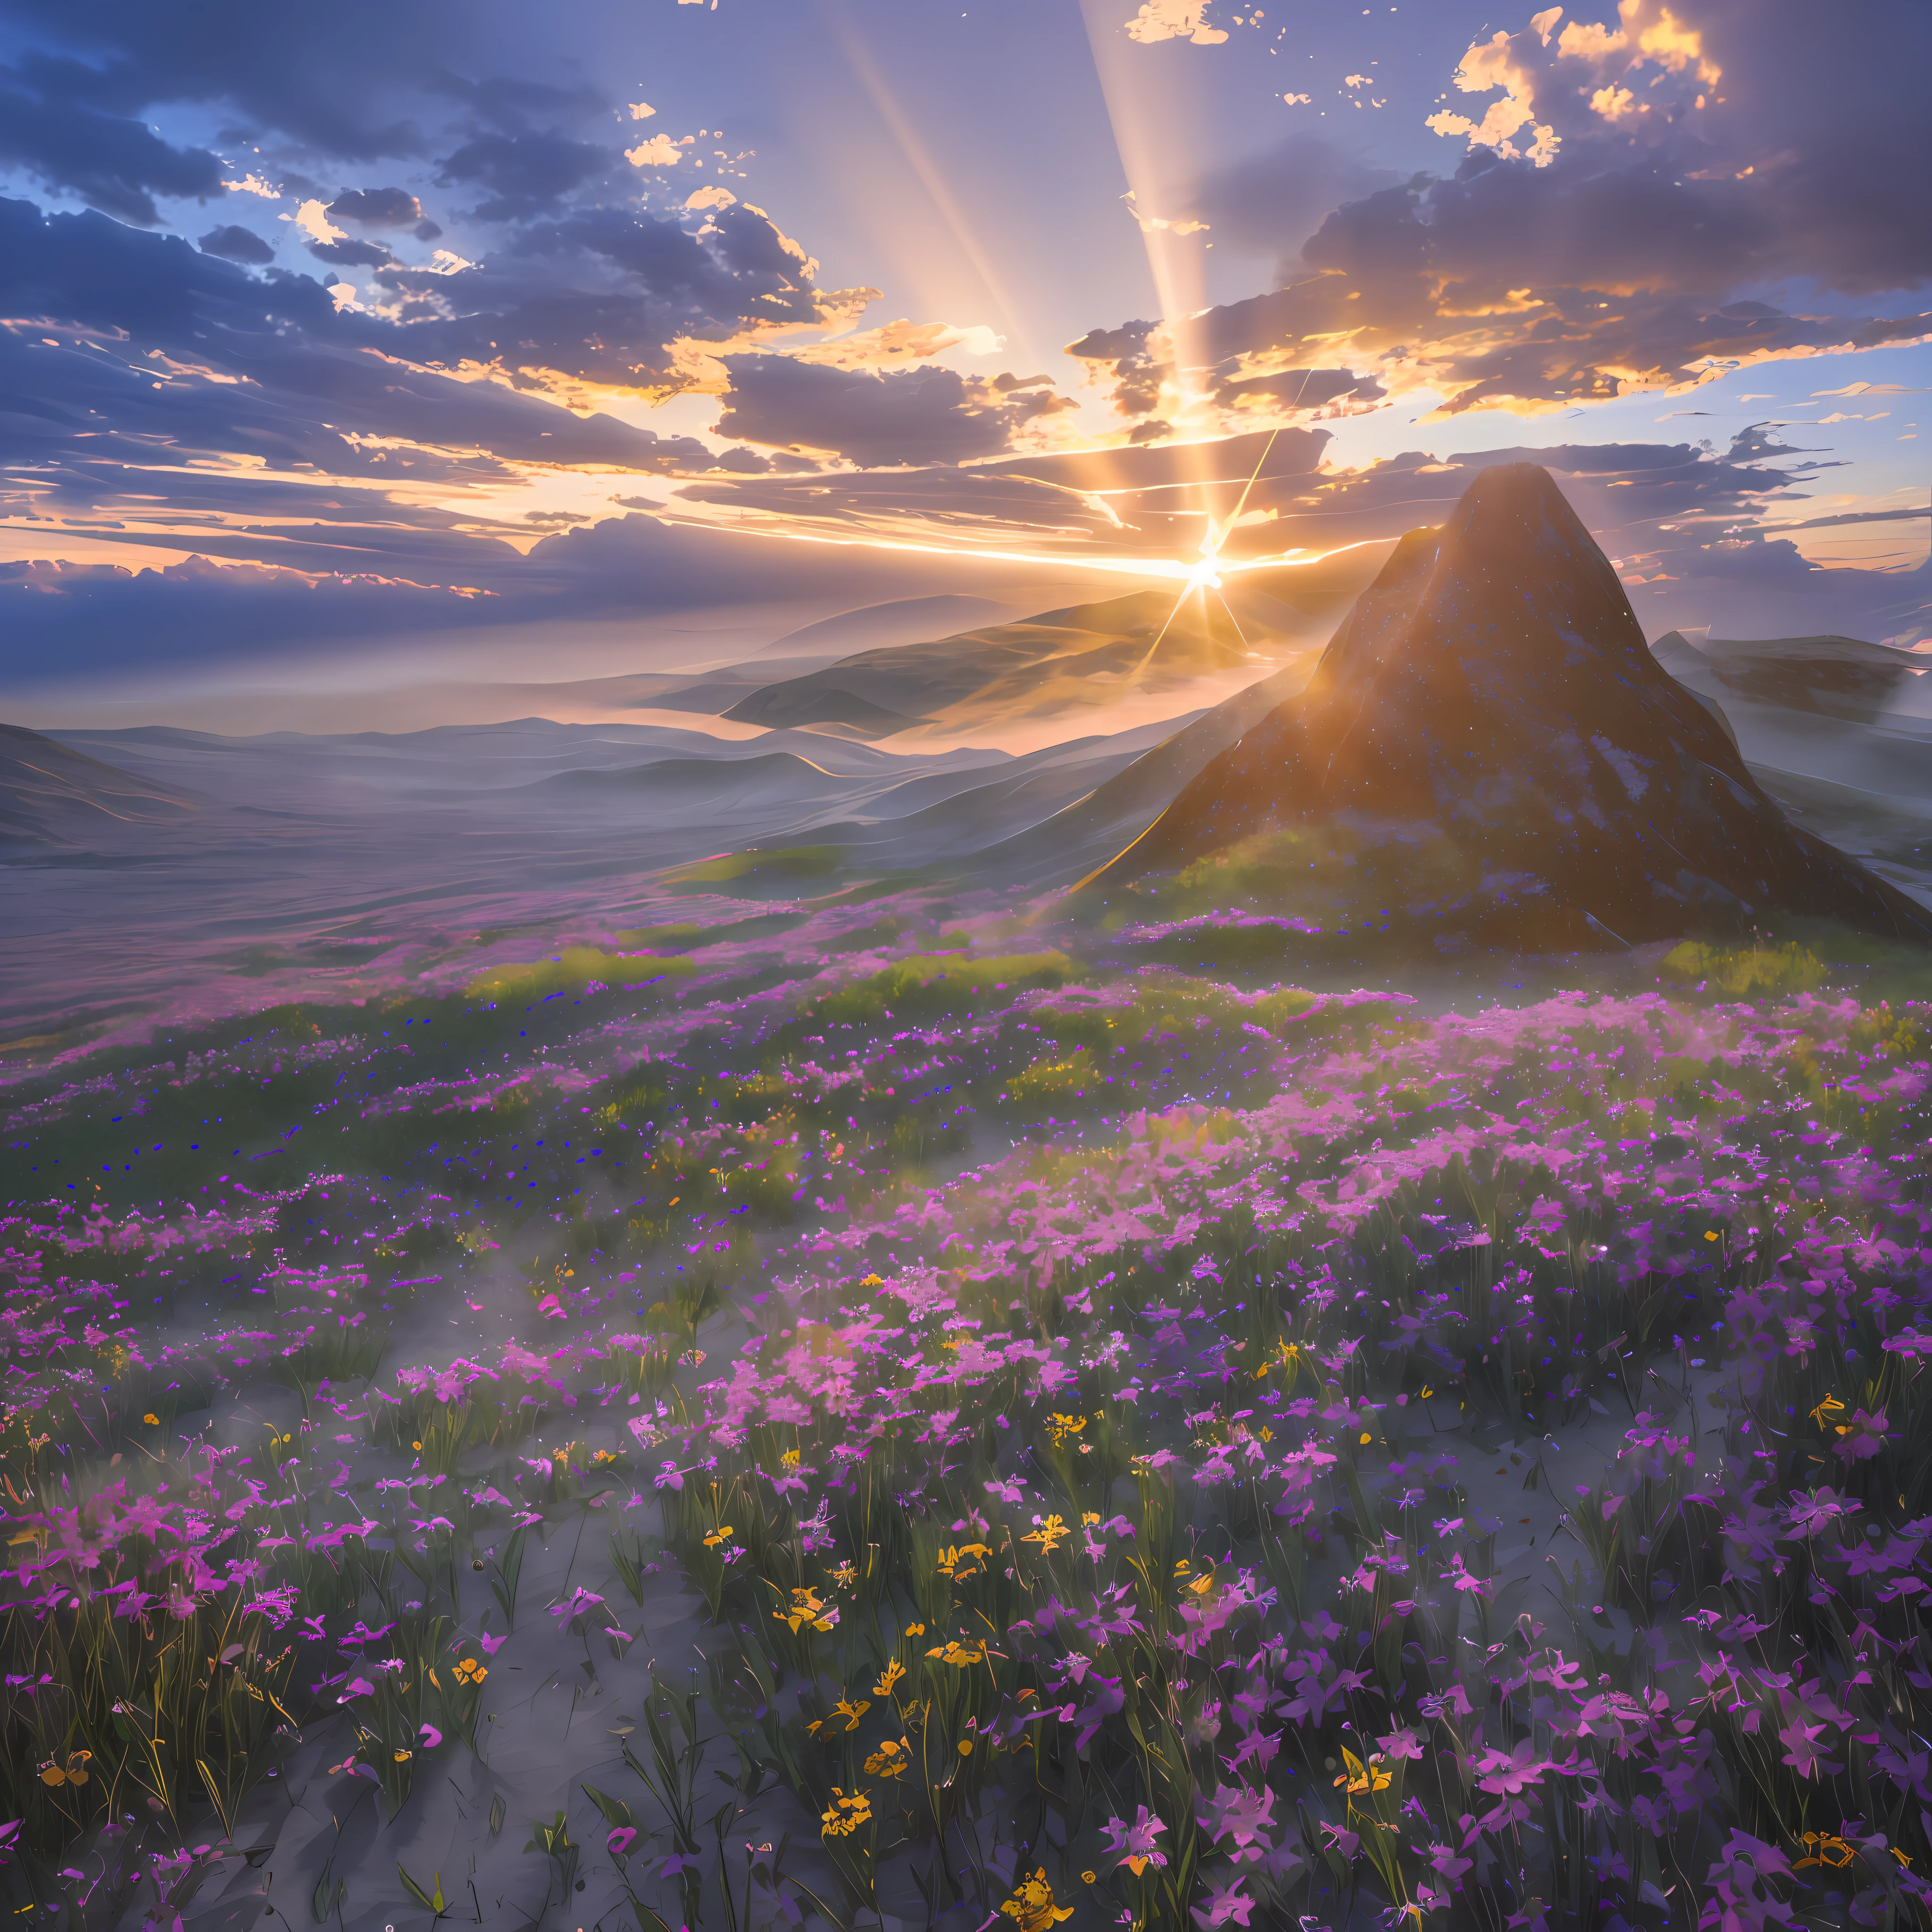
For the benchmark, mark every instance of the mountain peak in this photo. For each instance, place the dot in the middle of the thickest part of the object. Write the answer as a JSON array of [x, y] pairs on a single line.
[[1490, 699]]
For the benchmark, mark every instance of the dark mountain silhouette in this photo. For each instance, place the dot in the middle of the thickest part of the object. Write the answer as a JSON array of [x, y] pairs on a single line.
[[1490, 702], [54, 799]]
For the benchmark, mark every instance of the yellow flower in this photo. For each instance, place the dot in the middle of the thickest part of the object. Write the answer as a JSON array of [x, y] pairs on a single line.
[[1088, 1877], [915, 1630], [722, 1533], [1049, 1535], [1830, 1406], [470, 1670], [1200, 1585], [968, 1553], [1031, 1907], [844, 1815], [806, 1608], [153, 1421], [1366, 1437], [890, 1759], [1089, 1516], [958, 1654], [1362, 1779], [789, 1460], [1060, 1427], [845, 1576], [893, 1672], [852, 1712], [1826, 1848]]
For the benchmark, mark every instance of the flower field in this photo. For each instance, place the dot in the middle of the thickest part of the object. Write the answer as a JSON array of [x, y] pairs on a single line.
[[902, 1418]]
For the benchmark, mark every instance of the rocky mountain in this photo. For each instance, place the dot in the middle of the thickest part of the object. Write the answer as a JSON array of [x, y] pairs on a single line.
[[1489, 751]]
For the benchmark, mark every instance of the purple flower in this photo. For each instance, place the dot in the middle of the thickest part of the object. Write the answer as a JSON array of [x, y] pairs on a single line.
[[1507, 1773], [1236, 1812], [1132, 1845], [1230, 1902]]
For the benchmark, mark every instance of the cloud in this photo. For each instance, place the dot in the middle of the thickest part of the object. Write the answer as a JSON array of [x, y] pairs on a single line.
[[1121, 501], [659, 152], [524, 174], [312, 218], [1271, 203], [186, 355], [306, 71], [236, 245], [60, 623], [1175, 20], [902, 416], [1591, 248], [376, 208], [110, 162], [352, 254], [894, 344]]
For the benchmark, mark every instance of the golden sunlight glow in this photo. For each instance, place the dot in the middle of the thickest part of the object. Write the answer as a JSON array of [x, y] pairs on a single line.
[[1162, 569]]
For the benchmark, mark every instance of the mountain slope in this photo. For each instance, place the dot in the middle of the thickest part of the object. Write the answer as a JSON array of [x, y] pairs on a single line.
[[1489, 736], [1067, 664], [52, 798]]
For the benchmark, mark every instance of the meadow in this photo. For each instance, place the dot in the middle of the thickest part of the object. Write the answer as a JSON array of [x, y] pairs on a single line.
[[1003, 1423]]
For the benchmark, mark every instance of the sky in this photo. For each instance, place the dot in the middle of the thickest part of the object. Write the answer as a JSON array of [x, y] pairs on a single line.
[[392, 341]]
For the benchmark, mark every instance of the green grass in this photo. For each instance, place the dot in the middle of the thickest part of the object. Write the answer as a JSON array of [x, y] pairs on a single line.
[[795, 862], [576, 966]]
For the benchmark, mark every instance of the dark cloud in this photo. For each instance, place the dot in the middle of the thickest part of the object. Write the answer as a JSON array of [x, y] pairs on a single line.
[[1631, 199], [236, 245], [352, 254], [1298, 389], [1271, 203], [113, 163], [602, 294], [902, 416], [307, 72], [315, 380], [524, 174], [61, 622], [1120, 500], [376, 208]]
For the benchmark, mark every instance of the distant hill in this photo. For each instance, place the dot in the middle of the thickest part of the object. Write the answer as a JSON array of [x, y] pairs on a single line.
[[1114, 813], [1835, 711], [53, 798], [1489, 749], [1070, 664], [903, 620], [1830, 676]]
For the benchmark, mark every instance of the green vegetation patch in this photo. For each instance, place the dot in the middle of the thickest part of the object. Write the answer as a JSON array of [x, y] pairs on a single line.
[[792, 862], [576, 967], [1744, 971]]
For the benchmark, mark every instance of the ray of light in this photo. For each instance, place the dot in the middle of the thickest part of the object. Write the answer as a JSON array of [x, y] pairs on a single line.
[[1206, 575], [1165, 569], [931, 176]]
